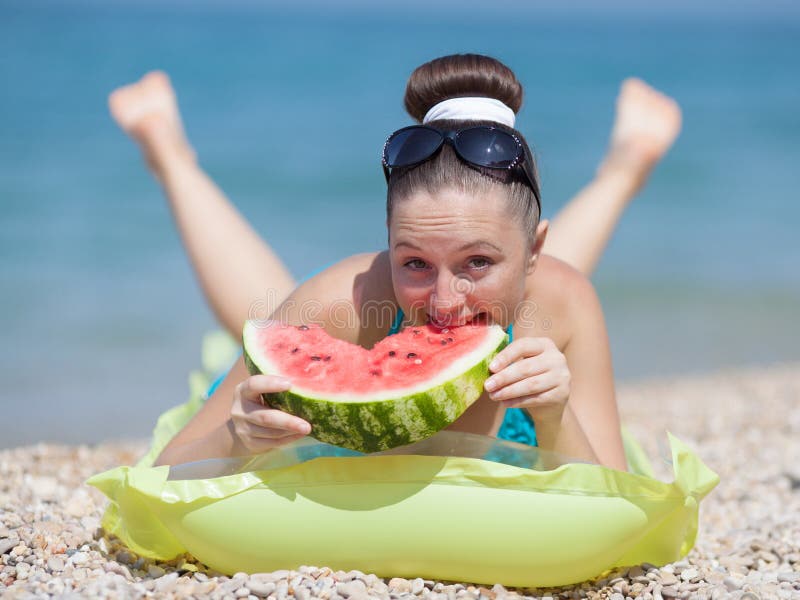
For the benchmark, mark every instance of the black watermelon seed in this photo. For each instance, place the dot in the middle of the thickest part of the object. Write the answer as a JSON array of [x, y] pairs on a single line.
[[411, 355], [327, 358], [303, 328], [443, 342], [417, 332], [392, 352], [294, 350], [375, 372], [316, 358], [449, 339]]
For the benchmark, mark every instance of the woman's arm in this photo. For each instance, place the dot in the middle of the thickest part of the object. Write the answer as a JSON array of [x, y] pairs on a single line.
[[565, 381], [233, 421], [592, 398]]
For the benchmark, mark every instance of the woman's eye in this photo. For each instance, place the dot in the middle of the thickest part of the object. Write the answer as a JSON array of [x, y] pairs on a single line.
[[416, 263], [479, 262]]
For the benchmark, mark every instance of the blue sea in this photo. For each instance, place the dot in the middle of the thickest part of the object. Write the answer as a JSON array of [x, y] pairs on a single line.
[[288, 106]]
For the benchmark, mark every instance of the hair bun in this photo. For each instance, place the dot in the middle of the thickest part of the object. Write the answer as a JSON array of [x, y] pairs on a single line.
[[460, 75]]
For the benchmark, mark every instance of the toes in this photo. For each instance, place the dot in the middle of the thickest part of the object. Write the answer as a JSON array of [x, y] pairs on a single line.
[[157, 81], [152, 93], [120, 102], [156, 75]]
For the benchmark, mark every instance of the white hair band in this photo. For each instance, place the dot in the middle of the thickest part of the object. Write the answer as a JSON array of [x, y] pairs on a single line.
[[473, 108]]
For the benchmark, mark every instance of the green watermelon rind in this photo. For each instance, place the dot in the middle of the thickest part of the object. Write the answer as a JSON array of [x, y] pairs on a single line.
[[375, 425]]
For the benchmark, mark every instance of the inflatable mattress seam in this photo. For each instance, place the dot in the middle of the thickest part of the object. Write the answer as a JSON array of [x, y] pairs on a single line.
[[422, 482]]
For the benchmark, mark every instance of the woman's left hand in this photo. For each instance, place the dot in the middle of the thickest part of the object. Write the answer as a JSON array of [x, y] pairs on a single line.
[[532, 373]]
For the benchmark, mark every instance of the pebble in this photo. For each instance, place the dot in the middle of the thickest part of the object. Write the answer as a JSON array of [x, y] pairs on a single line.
[[668, 578], [6, 545], [731, 584], [670, 591], [166, 583], [229, 586], [397, 584], [351, 588], [635, 572], [155, 571], [657, 592]]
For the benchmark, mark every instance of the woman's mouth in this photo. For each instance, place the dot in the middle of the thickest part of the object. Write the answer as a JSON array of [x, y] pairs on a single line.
[[450, 321]]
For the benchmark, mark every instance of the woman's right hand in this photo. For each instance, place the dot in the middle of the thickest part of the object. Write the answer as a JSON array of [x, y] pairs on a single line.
[[260, 428]]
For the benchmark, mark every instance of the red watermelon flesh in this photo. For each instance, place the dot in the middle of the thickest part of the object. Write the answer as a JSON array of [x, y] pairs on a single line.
[[407, 387]]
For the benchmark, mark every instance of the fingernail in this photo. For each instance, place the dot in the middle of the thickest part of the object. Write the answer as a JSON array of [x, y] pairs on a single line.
[[490, 384], [305, 428], [494, 365]]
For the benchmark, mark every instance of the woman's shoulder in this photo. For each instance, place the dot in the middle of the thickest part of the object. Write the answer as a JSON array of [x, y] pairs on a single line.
[[559, 277], [353, 298], [359, 277], [558, 295]]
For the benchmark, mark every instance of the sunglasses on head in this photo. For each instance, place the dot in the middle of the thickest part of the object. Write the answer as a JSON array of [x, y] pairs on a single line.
[[481, 146]]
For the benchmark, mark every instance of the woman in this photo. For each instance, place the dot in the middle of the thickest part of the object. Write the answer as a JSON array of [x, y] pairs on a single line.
[[465, 243]]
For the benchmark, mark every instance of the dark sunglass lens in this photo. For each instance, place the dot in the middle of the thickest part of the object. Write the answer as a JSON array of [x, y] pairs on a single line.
[[492, 148], [410, 146]]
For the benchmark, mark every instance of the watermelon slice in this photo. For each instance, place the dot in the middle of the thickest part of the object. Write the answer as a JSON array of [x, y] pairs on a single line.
[[406, 388]]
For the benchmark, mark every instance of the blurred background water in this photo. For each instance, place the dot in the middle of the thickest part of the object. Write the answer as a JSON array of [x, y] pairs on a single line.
[[288, 106]]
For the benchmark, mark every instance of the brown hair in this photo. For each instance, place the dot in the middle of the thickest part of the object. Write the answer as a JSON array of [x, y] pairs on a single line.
[[455, 76], [460, 75]]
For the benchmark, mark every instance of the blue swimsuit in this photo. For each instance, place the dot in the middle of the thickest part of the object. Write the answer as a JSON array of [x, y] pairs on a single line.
[[517, 424]]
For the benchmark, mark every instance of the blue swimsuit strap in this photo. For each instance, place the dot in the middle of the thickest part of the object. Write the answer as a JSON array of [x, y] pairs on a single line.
[[517, 423]]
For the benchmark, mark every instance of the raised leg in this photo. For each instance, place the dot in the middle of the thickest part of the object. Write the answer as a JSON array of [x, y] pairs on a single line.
[[646, 124], [236, 269]]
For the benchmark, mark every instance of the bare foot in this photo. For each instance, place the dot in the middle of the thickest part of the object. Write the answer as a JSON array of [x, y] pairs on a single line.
[[147, 110], [646, 124]]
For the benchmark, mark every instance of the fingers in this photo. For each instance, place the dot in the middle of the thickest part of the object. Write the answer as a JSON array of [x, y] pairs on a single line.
[[260, 428], [520, 348], [276, 420], [532, 373], [269, 419], [526, 386], [528, 358], [253, 387], [520, 370], [256, 430], [251, 391], [265, 429]]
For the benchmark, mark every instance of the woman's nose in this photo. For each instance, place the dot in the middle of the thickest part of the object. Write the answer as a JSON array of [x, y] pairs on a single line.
[[450, 292]]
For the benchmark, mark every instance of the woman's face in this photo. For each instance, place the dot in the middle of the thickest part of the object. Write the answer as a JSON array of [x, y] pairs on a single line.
[[457, 257]]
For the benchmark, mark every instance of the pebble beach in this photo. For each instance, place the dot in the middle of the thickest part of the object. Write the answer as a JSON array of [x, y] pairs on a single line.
[[744, 423]]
